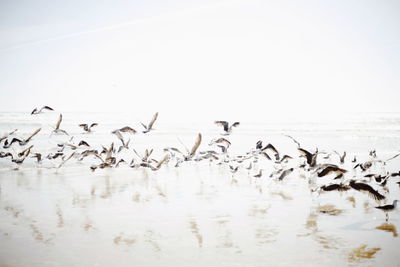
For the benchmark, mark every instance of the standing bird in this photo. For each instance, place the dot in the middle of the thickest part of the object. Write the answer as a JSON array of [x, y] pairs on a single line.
[[86, 127], [388, 208], [149, 127], [57, 128], [227, 128], [37, 111]]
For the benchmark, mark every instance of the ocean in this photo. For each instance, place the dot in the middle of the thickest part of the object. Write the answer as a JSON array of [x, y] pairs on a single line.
[[199, 213]]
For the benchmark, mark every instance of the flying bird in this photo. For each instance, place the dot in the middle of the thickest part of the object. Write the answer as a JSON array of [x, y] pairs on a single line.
[[37, 111], [57, 128], [366, 188], [226, 127], [149, 127], [87, 128]]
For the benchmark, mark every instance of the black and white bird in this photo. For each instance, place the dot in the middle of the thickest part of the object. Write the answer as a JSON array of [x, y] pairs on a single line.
[[22, 142], [388, 208], [226, 127], [37, 111], [87, 128]]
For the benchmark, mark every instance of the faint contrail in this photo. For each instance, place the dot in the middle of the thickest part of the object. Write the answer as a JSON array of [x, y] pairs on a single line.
[[127, 23]]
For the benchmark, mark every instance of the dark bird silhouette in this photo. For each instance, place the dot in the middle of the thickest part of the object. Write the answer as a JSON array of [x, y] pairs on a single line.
[[87, 128], [37, 111], [149, 127], [337, 187], [311, 158], [21, 142], [227, 129], [366, 188], [388, 208], [332, 169]]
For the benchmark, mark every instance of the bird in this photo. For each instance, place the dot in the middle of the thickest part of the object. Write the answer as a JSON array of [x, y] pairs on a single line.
[[149, 127], [126, 129], [332, 187], [196, 145], [311, 158], [19, 141], [366, 188], [37, 111], [285, 173], [121, 138], [227, 129], [87, 128], [259, 174], [57, 128], [273, 149], [388, 208], [332, 169]]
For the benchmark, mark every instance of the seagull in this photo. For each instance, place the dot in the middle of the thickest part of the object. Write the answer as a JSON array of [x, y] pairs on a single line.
[[388, 208], [227, 128], [57, 129], [273, 149], [37, 111], [366, 188], [192, 152], [332, 169], [311, 158], [86, 127], [21, 142], [149, 127], [125, 129], [259, 174], [121, 138], [338, 187]]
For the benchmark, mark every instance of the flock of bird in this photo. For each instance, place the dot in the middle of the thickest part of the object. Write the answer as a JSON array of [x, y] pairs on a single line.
[[325, 167]]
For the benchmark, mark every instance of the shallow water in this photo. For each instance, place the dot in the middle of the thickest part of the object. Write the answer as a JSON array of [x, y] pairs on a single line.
[[199, 214]]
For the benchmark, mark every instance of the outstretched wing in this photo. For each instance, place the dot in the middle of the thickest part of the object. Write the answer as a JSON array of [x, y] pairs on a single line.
[[59, 122], [223, 124], [152, 121], [196, 145], [32, 135]]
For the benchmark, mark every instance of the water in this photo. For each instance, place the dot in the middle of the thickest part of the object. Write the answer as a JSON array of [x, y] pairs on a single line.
[[198, 214]]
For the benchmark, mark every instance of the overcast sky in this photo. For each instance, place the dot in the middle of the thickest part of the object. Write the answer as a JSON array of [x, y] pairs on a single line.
[[200, 58]]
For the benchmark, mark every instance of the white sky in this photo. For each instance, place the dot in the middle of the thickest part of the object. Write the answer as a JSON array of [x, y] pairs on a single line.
[[214, 59]]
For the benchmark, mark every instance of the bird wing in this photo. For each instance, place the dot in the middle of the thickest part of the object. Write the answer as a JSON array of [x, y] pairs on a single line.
[[223, 123], [294, 140], [59, 122], [34, 111], [196, 145], [164, 159], [33, 134], [127, 129], [45, 107], [306, 154], [152, 121], [326, 171], [367, 188], [83, 125], [93, 124], [235, 124], [395, 156]]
